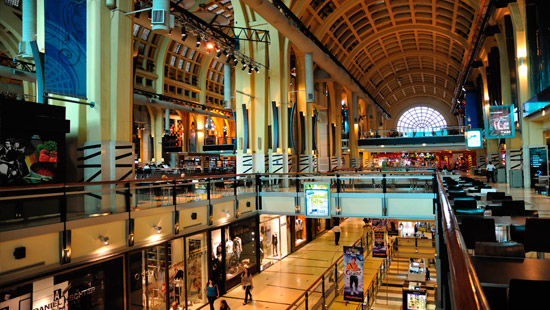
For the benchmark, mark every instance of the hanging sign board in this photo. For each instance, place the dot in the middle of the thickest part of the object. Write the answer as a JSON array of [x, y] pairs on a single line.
[[317, 198], [500, 122], [353, 273]]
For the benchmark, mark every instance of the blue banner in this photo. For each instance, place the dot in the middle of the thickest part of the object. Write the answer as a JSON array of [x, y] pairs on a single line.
[[65, 47], [353, 273]]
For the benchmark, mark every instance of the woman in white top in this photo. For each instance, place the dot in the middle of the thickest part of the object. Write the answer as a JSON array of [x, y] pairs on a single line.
[[246, 281]]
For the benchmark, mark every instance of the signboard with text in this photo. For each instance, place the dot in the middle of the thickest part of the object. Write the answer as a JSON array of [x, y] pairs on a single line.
[[474, 139], [317, 198], [500, 122], [538, 162]]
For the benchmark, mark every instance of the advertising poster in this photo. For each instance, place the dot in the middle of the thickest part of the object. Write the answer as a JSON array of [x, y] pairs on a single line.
[[379, 246], [353, 273], [500, 122], [538, 159], [27, 161], [317, 197]]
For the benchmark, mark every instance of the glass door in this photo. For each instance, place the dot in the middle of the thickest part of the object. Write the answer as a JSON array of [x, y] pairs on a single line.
[[197, 270]]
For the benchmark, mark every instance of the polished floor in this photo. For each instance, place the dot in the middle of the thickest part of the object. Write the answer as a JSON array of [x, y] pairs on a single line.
[[277, 287]]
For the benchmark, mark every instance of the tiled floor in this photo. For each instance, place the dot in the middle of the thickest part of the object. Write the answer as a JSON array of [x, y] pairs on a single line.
[[281, 284]]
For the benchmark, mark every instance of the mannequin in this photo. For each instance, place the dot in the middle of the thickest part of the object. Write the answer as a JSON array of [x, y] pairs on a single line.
[[299, 228], [274, 242], [237, 247], [229, 246]]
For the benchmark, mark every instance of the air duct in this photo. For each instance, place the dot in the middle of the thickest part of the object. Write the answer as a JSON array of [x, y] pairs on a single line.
[[29, 28]]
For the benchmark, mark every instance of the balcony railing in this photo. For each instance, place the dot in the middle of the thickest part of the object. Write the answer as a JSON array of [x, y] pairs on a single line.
[[428, 132], [22, 207]]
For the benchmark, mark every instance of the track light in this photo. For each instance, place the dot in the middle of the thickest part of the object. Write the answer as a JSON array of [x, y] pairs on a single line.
[[105, 240], [257, 69], [227, 59], [210, 45], [250, 70], [183, 34], [227, 53], [198, 43], [244, 63], [235, 61], [218, 54], [158, 229], [244, 67]]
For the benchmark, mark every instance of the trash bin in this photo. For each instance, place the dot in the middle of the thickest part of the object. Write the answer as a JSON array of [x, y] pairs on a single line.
[[516, 178], [501, 175]]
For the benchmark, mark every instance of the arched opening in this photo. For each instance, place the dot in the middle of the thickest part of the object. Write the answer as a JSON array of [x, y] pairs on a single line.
[[421, 119]]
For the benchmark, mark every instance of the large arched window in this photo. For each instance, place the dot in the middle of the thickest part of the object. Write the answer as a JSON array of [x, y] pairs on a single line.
[[421, 119]]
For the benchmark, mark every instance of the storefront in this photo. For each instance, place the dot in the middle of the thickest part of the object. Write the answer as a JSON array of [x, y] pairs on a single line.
[[274, 239], [95, 286], [300, 231]]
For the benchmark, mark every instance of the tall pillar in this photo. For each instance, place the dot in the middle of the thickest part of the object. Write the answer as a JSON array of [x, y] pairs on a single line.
[[158, 132], [227, 85]]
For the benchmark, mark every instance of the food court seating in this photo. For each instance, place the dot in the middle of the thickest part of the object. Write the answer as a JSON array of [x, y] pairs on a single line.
[[528, 294], [475, 229], [495, 195], [536, 235], [505, 249]]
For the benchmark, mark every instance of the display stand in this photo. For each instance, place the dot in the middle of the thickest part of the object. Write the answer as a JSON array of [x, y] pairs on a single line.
[[415, 296]]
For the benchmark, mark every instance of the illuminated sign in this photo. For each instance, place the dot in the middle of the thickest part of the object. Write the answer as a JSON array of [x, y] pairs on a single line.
[[500, 122], [317, 197], [474, 139]]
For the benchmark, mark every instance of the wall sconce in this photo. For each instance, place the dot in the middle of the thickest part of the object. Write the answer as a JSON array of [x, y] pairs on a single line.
[[158, 229], [522, 69], [103, 239], [65, 242], [227, 214], [130, 231], [176, 215]]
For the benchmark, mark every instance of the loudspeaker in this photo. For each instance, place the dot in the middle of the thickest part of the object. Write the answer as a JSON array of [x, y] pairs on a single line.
[[20, 252], [194, 215]]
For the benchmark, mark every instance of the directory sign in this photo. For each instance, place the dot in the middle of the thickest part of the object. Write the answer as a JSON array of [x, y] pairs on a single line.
[[538, 159], [317, 197], [474, 139], [500, 122]]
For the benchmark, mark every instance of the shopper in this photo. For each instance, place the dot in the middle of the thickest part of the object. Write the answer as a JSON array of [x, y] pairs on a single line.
[[427, 274], [211, 292], [175, 306], [224, 305], [490, 172], [246, 281], [337, 230]]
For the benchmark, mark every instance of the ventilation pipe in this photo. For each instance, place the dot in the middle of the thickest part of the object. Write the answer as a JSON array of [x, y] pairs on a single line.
[[29, 28], [146, 101], [227, 86]]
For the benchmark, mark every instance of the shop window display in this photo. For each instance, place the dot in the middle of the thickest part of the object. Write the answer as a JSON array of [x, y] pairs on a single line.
[[273, 240], [196, 249], [154, 280], [217, 256], [176, 271], [300, 230], [240, 247]]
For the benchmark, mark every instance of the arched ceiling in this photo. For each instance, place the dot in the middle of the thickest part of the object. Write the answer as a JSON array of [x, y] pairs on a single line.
[[397, 48]]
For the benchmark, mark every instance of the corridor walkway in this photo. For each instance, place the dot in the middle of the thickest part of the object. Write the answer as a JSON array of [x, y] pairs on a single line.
[[281, 284]]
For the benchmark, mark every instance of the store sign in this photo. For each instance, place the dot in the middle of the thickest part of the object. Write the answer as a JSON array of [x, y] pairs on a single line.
[[500, 122], [538, 159], [317, 197], [353, 273], [474, 139]]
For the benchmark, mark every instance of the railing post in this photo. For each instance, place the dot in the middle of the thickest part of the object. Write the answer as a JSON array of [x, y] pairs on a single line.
[[306, 301], [384, 189], [323, 290], [258, 191], [208, 189], [63, 205], [174, 194], [127, 200]]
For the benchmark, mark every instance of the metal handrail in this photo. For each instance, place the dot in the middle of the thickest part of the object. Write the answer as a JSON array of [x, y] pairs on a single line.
[[465, 286]]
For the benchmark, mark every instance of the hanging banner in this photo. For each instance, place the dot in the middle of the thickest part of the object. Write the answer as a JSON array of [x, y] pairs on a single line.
[[379, 246], [65, 47], [317, 197], [353, 273], [500, 122]]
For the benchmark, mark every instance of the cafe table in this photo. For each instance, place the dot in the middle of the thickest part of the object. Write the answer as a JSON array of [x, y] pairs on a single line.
[[498, 271]]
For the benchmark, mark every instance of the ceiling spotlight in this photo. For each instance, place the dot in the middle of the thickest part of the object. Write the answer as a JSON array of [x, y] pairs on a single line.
[[257, 69], [105, 240], [183, 34], [250, 70], [227, 59], [218, 54], [198, 43], [235, 61], [244, 64], [244, 67], [227, 53], [210, 45], [158, 229]]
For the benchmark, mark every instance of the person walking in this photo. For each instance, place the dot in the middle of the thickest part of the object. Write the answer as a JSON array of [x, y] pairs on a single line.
[[211, 292], [246, 281], [427, 274], [490, 172], [224, 305], [337, 230]]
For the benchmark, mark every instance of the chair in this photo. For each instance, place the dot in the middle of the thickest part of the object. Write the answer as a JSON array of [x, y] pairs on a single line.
[[507, 249], [494, 195], [419, 134], [477, 229], [465, 204], [517, 233], [438, 133], [528, 294], [536, 235]]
